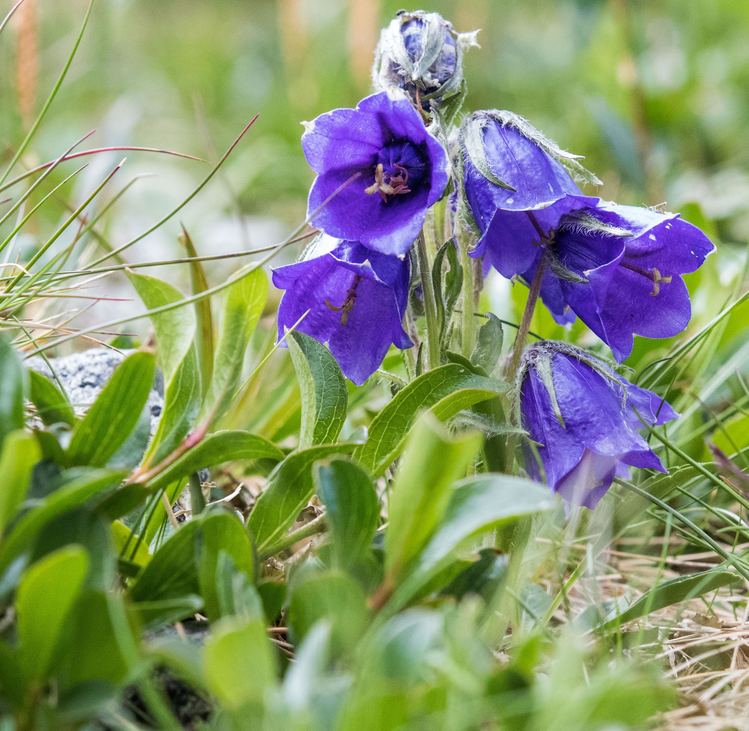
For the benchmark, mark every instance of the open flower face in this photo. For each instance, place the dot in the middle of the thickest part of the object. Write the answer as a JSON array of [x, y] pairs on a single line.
[[626, 264], [509, 171], [350, 298], [585, 421], [378, 171]]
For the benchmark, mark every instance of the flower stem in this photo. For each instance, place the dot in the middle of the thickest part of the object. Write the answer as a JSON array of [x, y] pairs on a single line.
[[468, 323], [317, 525], [430, 303], [525, 323]]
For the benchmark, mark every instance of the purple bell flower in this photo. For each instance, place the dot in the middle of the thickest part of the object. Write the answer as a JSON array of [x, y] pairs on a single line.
[[618, 268], [354, 300], [398, 168], [585, 420], [517, 185]]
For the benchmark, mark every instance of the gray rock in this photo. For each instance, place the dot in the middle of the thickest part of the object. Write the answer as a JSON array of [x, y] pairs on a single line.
[[83, 375]]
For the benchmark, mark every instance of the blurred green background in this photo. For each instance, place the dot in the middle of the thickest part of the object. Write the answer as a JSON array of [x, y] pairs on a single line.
[[652, 92]]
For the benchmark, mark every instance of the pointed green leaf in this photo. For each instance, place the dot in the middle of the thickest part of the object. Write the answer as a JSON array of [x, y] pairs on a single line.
[[477, 505], [431, 462], [323, 388], [177, 359], [52, 405], [289, 488], [20, 452], [221, 535], [239, 662], [352, 510], [12, 389], [115, 413], [223, 446], [672, 592], [45, 598], [446, 390], [244, 304]]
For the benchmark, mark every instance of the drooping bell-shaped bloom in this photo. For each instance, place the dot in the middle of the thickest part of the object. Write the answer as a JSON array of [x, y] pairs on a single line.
[[348, 297], [618, 269], [378, 171], [585, 420], [517, 185], [421, 54]]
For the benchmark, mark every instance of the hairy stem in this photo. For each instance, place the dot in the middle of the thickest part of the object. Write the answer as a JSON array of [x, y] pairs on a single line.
[[430, 304], [530, 305], [317, 525], [525, 323], [468, 322]]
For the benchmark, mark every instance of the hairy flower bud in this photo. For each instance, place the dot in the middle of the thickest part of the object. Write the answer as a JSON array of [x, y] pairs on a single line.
[[421, 54]]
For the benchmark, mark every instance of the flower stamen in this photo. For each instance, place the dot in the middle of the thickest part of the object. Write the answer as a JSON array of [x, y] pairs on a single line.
[[345, 307], [654, 274], [387, 184]]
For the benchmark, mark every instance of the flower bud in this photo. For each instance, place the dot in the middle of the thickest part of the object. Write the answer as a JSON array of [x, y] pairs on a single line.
[[421, 54]]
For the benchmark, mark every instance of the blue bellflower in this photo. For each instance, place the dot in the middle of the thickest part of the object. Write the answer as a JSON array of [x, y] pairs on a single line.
[[378, 171], [517, 184], [585, 420], [350, 298], [618, 268]]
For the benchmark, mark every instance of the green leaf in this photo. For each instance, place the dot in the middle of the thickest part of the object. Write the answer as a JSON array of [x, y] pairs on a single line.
[[11, 677], [72, 494], [222, 535], [12, 389], [431, 462], [477, 505], [45, 598], [100, 645], [244, 304], [489, 346], [20, 452], [323, 389], [289, 488], [52, 405], [175, 329], [446, 390], [115, 413], [331, 596], [239, 662], [447, 286], [177, 359], [223, 446], [171, 573], [352, 510], [152, 613], [672, 592], [203, 315]]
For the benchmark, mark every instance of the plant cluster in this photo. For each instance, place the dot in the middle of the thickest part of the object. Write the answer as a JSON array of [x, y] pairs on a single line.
[[286, 549]]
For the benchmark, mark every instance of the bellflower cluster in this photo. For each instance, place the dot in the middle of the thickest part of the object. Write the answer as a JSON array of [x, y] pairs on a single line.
[[382, 165], [616, 267]]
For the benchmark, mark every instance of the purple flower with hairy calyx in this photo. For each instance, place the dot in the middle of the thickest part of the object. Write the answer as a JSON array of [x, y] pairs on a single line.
[[386, 167], [618, 268], [354, 300], [585, 420], [517, 185], [421, 54]]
